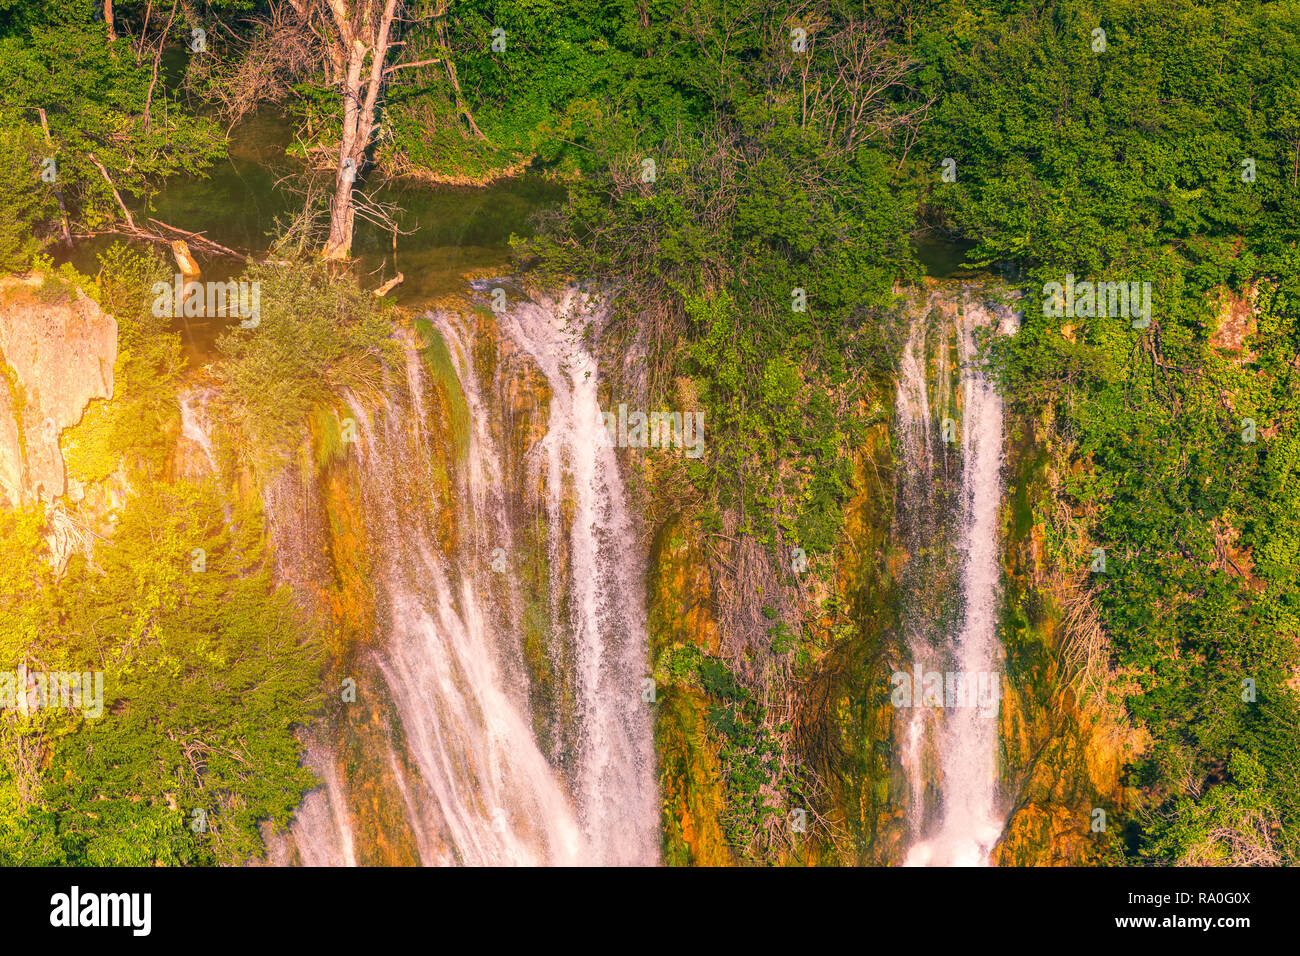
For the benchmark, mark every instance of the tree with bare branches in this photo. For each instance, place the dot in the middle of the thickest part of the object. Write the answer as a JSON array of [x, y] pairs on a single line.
[[358, 38]]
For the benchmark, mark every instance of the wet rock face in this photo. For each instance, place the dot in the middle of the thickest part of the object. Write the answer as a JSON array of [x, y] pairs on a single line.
[[58, 356]]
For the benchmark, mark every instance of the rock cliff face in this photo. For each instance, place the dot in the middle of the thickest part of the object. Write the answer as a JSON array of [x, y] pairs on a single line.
[[58, 351], [1061, 746]]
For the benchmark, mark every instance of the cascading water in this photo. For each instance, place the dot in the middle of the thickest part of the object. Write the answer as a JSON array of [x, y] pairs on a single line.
[[950, 745], [475, 785], [924, 536], [193, 404], [615, 777], [322, 830]]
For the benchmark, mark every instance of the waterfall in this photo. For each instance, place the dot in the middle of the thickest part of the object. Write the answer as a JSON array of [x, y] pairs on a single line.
[[920, 504], [476, 785], [195, 424], [322, 829], [950, 493], [615, 777]]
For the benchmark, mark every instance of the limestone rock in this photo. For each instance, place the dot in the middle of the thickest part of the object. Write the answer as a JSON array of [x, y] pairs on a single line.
[[58, 355]]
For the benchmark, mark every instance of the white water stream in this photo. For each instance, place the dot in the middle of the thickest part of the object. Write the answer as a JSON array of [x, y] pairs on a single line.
[[615, 779], [449, 649], [950, 752]]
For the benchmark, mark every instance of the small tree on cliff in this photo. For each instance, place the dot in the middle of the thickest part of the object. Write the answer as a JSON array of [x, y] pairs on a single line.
[[359, 36]]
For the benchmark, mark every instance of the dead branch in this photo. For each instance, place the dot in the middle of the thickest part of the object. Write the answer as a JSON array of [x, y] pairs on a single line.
[[126, 213]]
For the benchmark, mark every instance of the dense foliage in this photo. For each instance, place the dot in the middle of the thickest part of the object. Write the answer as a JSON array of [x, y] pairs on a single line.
[[1169, 155], [207, 668], [79, 112], [1132, 164], [751, 176], [315, 336]]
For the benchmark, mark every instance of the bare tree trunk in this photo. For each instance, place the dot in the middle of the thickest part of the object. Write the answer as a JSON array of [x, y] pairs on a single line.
[[342, 215], [157, 58], [58, 190], [126, 213], [144, 31], [362, 40], [108, 19]]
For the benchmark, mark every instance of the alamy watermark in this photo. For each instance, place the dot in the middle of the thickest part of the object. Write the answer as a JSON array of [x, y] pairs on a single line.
[[27, 691], [981, 689], [191, 299], [1085, 299], [635, 429], [75, 908]]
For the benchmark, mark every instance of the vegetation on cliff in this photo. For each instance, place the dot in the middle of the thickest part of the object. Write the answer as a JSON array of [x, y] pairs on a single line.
[[752, 178], [208, 669], [1086, 140]]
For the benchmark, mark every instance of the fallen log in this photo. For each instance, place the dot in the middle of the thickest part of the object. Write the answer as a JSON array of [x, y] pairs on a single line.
[[126, 213], [136, 232], [201, 240], [389, 286]]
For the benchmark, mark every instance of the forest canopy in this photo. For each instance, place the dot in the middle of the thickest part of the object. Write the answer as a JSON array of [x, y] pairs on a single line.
[[757, 180]]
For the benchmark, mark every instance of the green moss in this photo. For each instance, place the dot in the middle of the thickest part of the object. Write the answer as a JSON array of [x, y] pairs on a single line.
[[327, 432], [553, 698], [1047, 744], [438, 363], [690, 782], [847, 723], [18, 400]]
